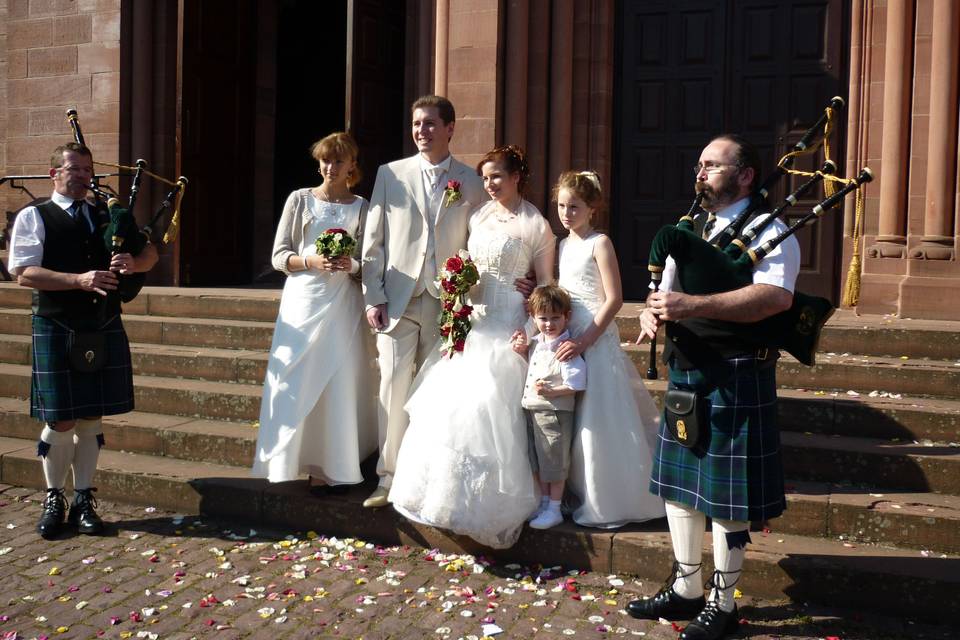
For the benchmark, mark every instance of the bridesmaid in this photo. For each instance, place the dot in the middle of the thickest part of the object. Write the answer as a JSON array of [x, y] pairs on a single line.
[[317, 415]]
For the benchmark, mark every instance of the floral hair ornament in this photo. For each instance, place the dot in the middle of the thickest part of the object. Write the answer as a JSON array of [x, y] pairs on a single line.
[[592, 177]]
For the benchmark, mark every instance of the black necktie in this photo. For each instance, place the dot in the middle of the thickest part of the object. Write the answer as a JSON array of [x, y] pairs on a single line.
[[708, 227], [76, 210]]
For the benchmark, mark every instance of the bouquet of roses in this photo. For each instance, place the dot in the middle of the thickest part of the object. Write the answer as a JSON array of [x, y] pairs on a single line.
[[459, 273], [334, 243]]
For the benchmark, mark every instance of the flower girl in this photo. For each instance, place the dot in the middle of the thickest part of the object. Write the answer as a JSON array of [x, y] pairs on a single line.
[[616, 419]]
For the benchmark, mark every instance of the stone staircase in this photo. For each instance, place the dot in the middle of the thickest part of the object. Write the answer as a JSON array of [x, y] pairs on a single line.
[[870, 445]]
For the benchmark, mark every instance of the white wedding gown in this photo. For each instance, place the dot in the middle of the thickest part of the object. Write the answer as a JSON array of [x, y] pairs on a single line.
[[318, 412], [463, 463], [616, 420]]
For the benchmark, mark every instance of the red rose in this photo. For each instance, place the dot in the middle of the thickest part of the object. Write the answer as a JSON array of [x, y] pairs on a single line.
[[465, 311], [448, 306], [448, 286], [454, 264], [458, 345], [444, 331], [453, 185], [343, 231]]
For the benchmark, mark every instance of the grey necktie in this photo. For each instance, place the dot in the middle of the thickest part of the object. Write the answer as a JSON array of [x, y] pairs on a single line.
[[433, 177]]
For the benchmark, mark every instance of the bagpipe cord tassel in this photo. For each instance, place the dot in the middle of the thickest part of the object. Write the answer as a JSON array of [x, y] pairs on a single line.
[[829, 187], [851, 288], [171, 233]]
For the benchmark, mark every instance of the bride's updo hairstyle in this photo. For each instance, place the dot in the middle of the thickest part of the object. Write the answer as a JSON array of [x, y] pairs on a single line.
[[584, 185], [513, 159]]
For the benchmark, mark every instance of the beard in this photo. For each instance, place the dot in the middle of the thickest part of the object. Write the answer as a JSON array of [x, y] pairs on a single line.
[[715, 198]]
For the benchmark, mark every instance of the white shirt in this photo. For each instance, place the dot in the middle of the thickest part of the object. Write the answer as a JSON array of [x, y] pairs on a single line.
[[28, 236], [573, 373], [780, 267], [434, 200], [444, 167]]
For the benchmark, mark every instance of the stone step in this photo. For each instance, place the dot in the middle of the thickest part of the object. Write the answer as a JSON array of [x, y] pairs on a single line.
[[201, 363], [847, 332], [864, 374], [919, 520], [216, 442], [874, 464], [169, 396], [902, 582], [194, 332], [925, 521], [227, 304]]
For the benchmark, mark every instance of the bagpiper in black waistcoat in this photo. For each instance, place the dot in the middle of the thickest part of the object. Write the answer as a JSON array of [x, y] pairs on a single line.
[[70, 247]]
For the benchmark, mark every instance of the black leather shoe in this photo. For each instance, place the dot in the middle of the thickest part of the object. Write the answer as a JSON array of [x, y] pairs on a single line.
[[53, 515], [713, 623], [666, 604], [83, 513]]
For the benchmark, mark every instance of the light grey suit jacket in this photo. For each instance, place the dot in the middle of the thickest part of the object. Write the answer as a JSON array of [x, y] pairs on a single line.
[[395, 235]]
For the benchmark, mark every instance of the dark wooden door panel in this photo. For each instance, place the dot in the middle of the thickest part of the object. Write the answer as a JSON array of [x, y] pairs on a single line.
[[215, 132], [690, 70], [376, 113]]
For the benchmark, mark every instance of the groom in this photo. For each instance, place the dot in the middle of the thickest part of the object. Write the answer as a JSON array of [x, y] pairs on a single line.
[[417, 219]]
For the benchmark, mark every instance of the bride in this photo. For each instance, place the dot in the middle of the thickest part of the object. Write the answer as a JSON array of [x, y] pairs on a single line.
[[463, 464]]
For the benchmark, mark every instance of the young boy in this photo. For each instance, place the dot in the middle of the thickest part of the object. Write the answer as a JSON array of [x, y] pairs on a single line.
[[548, 397]]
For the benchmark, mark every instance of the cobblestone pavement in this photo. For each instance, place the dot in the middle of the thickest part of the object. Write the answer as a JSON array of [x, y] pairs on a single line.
[[159, 575]]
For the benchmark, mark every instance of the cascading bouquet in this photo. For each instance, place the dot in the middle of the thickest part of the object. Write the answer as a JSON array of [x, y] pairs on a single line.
[[459, 273], [334, 243]]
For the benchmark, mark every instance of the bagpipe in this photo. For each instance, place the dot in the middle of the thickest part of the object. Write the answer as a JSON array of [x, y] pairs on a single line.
[[122, 234], [727, 263]]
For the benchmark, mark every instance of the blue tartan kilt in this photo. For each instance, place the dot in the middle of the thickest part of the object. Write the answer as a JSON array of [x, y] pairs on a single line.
[[738, 475], [57, 392]]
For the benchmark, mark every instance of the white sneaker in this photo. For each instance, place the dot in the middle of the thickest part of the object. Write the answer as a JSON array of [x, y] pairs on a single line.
[[548, 518], [544, 505]]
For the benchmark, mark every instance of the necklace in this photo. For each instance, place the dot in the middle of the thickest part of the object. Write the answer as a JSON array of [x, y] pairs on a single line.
[[323, 195], [506, 216]]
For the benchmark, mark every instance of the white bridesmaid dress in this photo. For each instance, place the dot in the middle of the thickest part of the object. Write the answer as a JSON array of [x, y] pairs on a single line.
[[616, 420]]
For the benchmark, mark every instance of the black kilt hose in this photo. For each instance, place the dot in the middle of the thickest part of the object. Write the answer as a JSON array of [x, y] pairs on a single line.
[[739, 474], [57, 392]]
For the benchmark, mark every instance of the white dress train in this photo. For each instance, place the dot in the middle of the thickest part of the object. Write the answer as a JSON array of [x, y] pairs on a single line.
[[317, 414], [616, 420], [463, 462]]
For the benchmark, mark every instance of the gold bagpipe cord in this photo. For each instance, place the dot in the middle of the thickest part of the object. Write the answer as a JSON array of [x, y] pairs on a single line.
[[173, 228], [851, 289]]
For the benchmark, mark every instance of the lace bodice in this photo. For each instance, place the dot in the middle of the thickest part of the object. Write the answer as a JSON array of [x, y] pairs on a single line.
[[503, 252], [320, 215]]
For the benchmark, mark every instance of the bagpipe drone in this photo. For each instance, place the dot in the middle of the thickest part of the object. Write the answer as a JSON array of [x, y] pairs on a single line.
[[122, 234], [727, 263]]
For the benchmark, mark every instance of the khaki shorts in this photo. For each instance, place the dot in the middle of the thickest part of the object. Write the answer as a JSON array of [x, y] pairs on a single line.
[[549, 436]]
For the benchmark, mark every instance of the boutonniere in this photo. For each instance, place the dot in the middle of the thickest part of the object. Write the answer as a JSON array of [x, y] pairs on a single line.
[[452, 193]]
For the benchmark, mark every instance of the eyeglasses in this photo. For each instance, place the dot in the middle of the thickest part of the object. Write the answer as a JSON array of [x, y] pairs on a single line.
[[711, 167]]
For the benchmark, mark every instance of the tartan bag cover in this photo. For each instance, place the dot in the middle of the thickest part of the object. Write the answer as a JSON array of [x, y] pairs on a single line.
[[738, 472], [57, 392]]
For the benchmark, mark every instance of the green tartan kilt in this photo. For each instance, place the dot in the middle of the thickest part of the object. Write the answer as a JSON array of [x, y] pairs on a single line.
[[57, 392], [738, 474]]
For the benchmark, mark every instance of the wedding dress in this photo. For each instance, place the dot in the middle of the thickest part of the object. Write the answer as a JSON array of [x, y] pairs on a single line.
[[463, 463], [616, 420]]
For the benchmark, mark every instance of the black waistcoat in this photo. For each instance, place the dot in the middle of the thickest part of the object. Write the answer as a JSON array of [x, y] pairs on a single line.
[[70, 247]]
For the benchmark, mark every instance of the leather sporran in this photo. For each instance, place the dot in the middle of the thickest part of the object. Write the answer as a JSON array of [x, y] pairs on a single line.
[[687, 417], [88, 351]]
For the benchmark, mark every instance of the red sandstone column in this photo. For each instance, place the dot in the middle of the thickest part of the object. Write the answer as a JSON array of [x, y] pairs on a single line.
[[898, 61], [443, 39], [516, 63], [561, 88], [937, 241]]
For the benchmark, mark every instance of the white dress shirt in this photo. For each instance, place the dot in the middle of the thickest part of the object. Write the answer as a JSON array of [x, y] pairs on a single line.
[[26, 241], [433, 178], [780, 267]]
